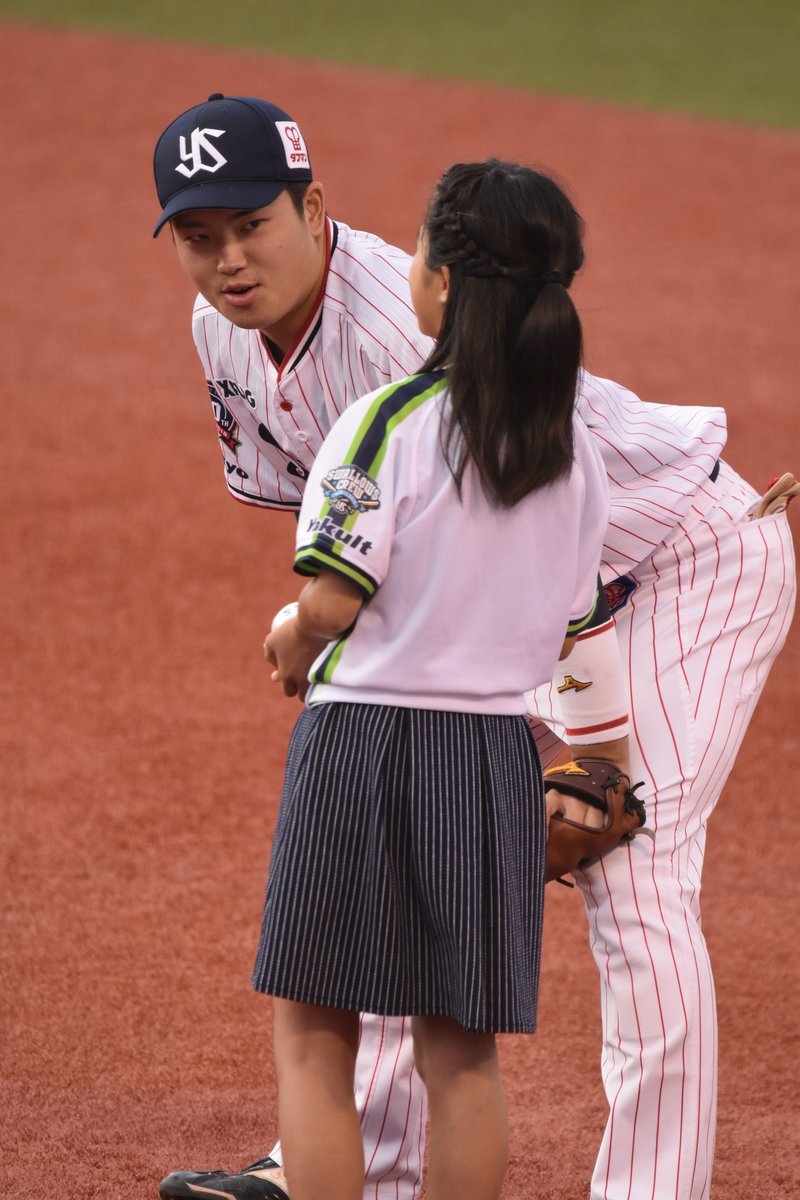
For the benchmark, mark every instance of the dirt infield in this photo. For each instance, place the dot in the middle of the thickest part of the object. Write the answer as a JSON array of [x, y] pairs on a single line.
[[141, 742]]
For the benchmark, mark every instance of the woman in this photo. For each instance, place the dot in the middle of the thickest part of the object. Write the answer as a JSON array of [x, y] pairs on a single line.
[[452, 526]]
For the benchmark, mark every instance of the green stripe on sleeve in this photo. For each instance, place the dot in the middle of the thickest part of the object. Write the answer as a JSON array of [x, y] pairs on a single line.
[[311, 560], [579, 624], [388, 410]]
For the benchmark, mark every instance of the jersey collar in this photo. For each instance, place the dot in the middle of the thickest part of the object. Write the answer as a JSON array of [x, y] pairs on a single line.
[[309, 331]]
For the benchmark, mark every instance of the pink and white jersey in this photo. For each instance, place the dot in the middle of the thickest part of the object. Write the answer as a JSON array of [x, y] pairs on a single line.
[[656, 456], [272, 417], [467, 602]]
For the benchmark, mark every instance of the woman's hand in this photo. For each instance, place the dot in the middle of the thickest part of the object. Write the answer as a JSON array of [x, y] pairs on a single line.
[[291, 654], [328, 605]]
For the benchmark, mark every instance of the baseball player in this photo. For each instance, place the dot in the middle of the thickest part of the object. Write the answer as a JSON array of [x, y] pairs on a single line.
[[698, 568], [297, 316]]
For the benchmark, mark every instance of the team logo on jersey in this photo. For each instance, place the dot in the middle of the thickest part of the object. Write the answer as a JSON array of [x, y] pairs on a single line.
[[330, 529], [227, 425], [293, 145], [618, 592], [200, 154], [231, 390], [571, 684], [350, 490]]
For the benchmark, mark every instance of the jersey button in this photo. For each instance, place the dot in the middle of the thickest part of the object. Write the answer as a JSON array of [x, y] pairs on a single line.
[[286, 405], [301, 435]]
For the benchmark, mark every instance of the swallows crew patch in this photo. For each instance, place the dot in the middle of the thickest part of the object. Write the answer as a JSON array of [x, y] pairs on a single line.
[[349, 490]]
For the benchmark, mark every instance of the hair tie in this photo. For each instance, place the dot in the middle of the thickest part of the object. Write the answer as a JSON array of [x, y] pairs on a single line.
[[534, 288], [553, 277]]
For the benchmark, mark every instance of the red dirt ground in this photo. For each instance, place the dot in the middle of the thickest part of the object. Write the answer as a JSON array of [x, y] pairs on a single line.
[[142, 743]]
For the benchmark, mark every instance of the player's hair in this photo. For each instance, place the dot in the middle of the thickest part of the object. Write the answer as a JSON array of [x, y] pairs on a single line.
[[511, 337], [296, 192]]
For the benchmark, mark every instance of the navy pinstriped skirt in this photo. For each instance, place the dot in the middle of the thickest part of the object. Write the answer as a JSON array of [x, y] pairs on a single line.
[[407, 870]]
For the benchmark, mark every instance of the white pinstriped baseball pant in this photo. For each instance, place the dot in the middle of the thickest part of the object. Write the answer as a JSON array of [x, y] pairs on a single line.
[[698, 637]]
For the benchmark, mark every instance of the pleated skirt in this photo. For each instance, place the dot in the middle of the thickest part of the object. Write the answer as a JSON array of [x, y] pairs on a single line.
[[407, 869]]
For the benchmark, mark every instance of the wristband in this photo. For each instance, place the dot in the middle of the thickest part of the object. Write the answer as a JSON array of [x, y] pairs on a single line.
[[589, 693]]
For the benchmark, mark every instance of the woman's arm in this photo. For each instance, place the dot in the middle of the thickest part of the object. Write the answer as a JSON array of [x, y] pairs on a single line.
[[327, 606]]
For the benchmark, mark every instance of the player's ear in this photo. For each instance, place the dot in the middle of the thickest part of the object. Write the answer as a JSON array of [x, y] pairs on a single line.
[[314, 207]]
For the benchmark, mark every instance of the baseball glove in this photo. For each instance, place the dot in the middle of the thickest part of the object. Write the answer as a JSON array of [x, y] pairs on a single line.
[[779, 494], [615, 814]]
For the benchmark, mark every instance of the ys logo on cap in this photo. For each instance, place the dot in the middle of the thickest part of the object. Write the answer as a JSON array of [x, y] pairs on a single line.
[[194, 156]]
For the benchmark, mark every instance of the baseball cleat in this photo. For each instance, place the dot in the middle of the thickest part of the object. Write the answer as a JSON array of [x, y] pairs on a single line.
[[208, 1185]]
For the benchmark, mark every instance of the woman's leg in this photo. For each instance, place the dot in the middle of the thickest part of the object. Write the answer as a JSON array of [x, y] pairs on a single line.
[[468, 1149], [315, 1052]]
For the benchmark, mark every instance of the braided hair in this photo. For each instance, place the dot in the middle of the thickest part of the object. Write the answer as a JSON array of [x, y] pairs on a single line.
[[511, 337]]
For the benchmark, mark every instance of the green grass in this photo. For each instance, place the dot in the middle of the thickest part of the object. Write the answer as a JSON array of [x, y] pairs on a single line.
[[730, 59]]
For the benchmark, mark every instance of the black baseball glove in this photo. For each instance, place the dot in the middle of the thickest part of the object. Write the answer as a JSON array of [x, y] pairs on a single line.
[[609, 813]]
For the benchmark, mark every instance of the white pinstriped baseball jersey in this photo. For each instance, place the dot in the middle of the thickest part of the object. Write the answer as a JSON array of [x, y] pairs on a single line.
[[657, 457], [272, 416], [382, 509]]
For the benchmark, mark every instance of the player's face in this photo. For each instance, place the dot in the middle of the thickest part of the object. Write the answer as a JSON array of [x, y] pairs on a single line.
[[261, 269], [428, 289]]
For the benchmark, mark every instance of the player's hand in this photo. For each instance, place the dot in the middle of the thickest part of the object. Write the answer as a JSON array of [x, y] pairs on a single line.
[[555, 803], [573, 808]]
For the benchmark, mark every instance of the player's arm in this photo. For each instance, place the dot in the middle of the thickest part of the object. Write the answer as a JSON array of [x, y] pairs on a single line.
[[328, 605], [566, 649], [591, 701]]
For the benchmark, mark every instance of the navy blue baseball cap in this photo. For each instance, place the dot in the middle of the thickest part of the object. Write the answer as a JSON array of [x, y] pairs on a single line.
[[230, 152]]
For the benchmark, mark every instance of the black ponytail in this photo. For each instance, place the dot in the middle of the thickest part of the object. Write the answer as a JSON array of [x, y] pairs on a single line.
[[511, 337]]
